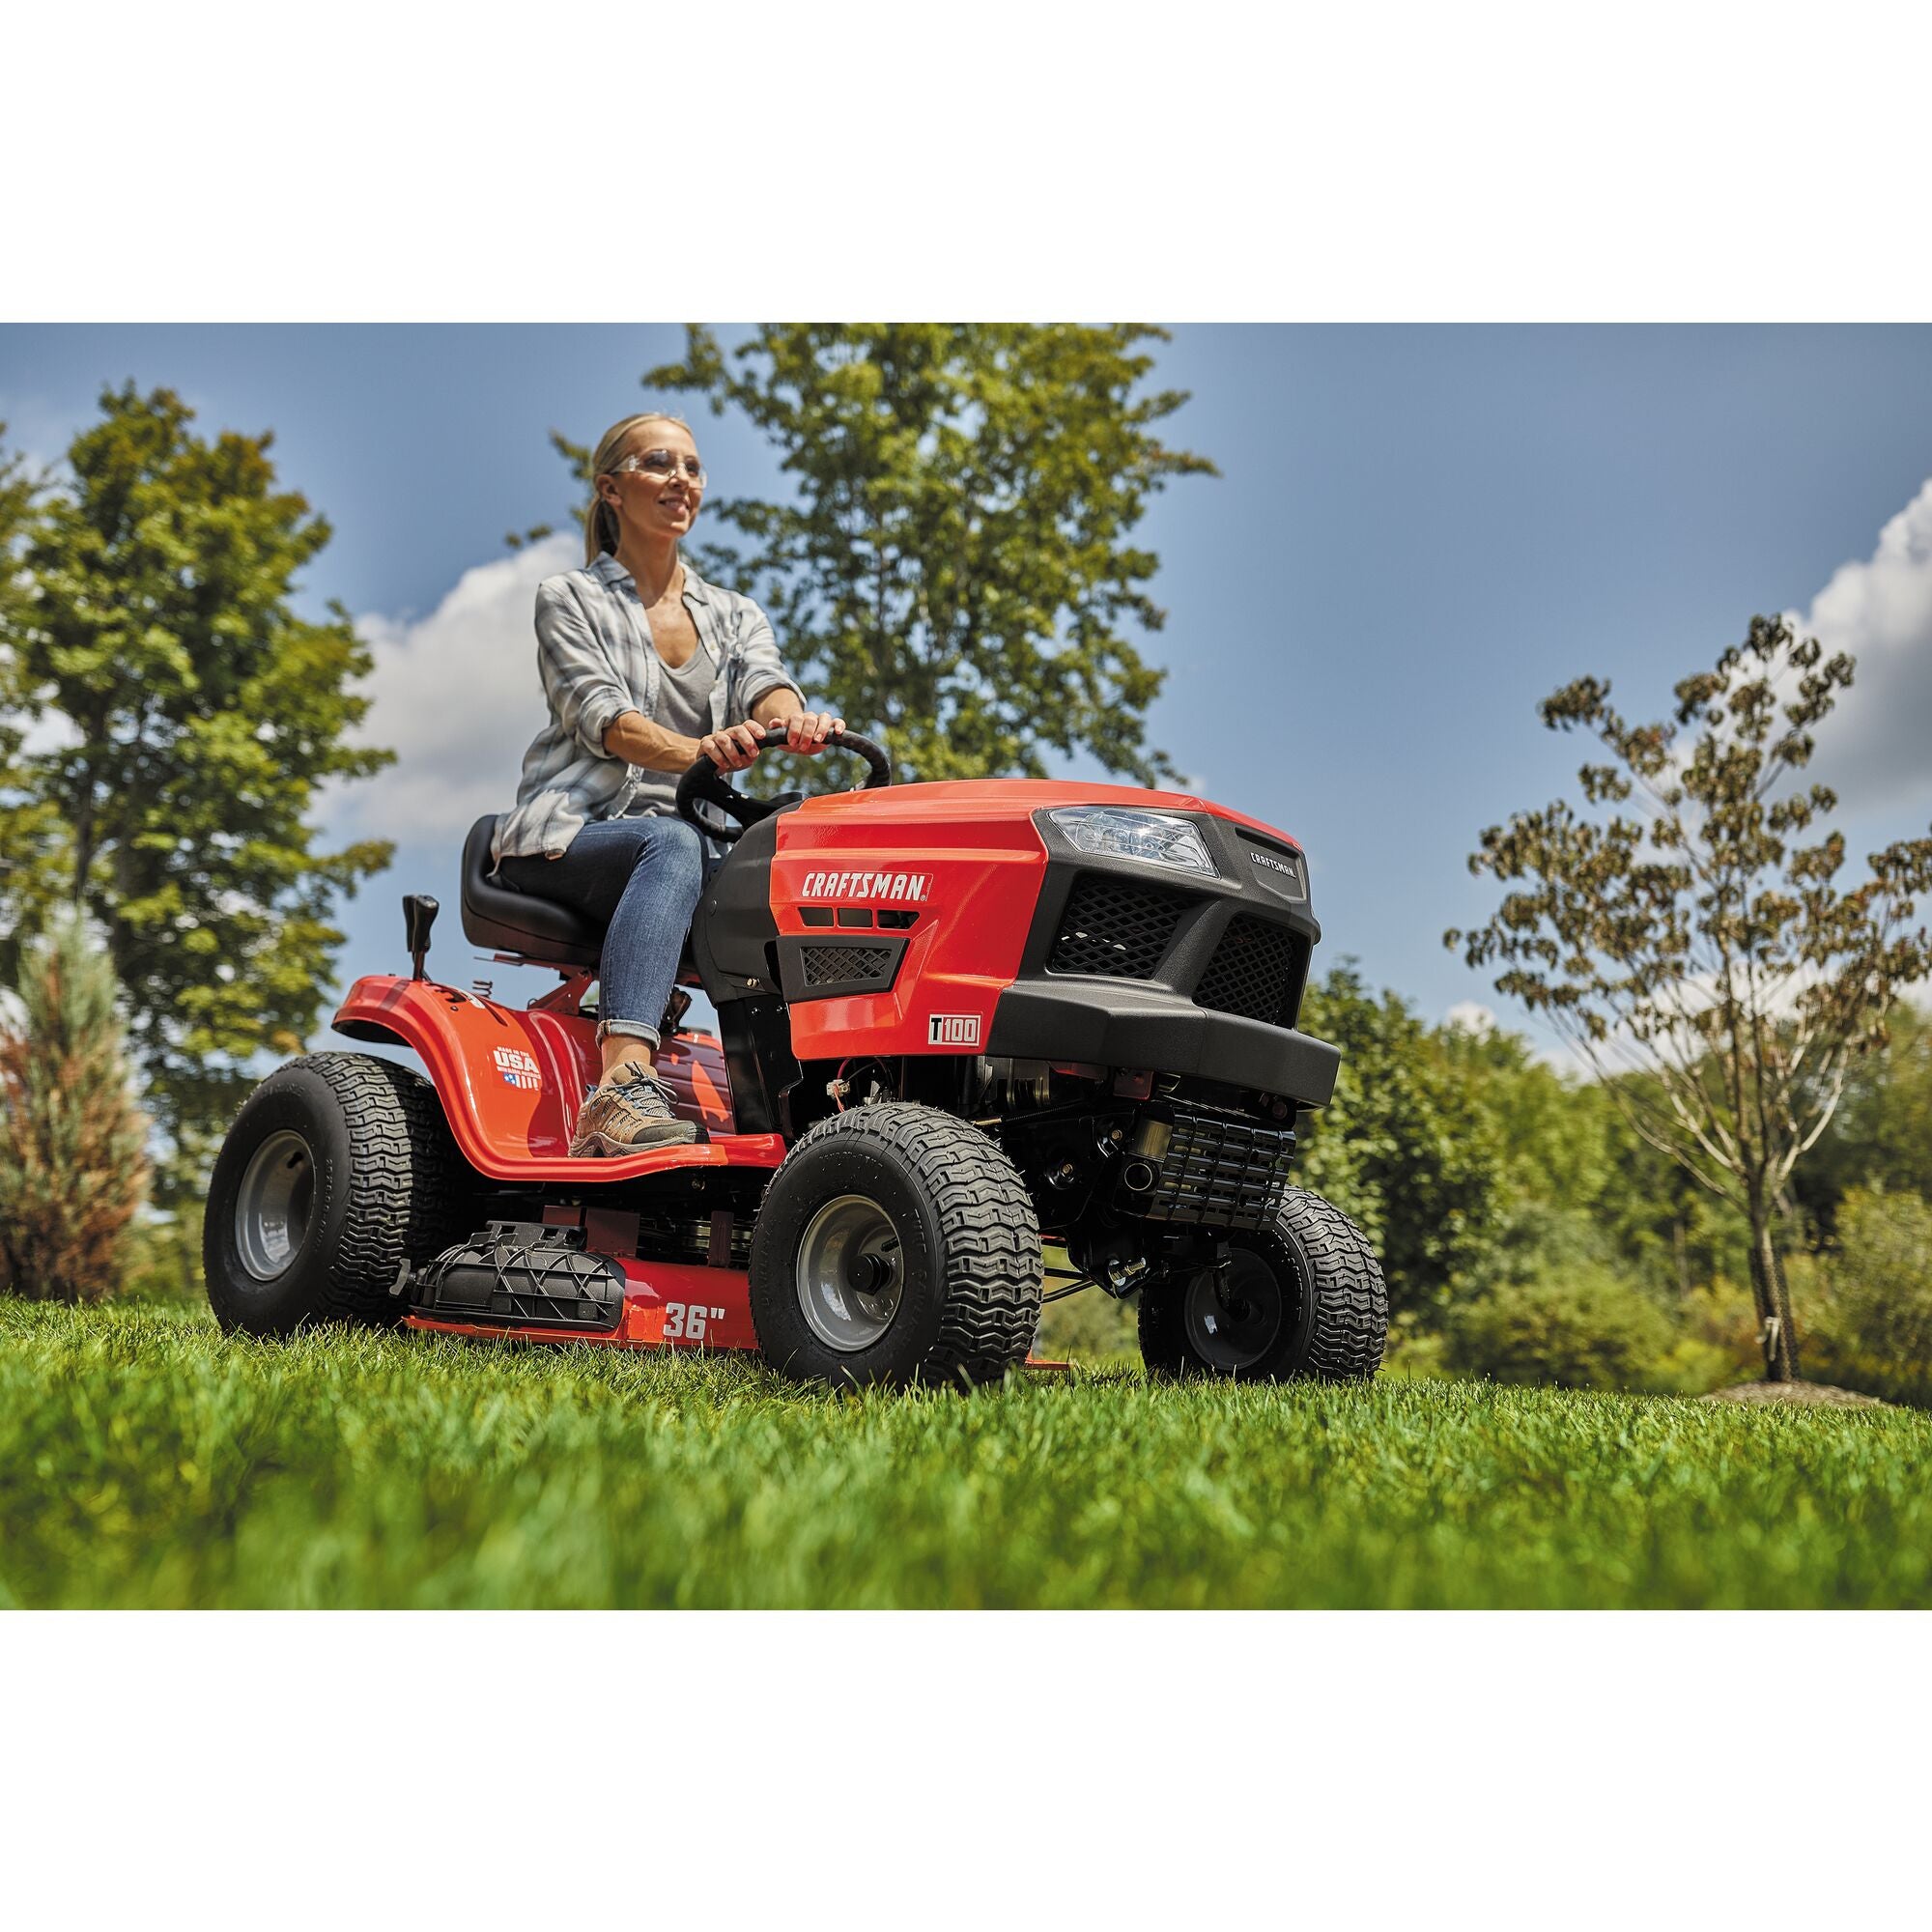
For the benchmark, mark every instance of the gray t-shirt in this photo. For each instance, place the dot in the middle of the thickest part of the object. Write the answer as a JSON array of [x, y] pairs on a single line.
[[684, 704]]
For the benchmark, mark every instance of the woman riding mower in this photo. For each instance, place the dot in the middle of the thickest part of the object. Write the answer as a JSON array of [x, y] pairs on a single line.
[[646, 667]]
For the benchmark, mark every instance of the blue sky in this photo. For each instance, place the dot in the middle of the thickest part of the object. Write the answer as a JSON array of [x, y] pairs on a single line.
[[1418, 531]]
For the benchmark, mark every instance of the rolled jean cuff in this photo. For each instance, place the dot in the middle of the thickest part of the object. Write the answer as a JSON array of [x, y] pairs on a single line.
[[629, 1030]]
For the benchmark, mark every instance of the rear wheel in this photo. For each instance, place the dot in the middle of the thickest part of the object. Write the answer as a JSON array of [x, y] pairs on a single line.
[[1305, 1297], [896, 1244], [338, 1169]]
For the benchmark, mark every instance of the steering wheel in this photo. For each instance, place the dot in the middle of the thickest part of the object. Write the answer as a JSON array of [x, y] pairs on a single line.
[[704, 783]]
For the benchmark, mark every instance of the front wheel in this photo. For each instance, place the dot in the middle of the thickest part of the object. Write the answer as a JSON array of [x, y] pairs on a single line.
[[896, 1244], [1304, 1298]]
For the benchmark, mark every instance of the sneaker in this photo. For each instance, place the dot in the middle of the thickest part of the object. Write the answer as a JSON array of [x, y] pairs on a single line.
[[626, 1114]]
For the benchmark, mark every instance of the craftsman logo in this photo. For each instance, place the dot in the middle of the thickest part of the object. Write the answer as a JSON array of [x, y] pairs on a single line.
[[1273, 865], [518, 1068], [952, 1030], [875, 886]]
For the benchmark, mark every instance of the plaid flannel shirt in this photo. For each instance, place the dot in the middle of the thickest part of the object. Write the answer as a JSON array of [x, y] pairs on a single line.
[[596, 659]]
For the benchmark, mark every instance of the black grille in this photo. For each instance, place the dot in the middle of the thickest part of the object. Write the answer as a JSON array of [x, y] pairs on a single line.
[[826, 965], [1221, 1174], [1252, 972], [1115, 927]]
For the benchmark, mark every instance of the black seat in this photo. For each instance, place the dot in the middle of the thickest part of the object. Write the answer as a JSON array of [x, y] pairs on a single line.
[[495, 915]]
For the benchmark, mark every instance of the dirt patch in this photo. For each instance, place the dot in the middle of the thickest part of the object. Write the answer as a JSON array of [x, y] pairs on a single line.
[[1805, 1394]]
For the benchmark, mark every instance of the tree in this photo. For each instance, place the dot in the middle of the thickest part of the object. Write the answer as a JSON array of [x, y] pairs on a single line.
[[1697, 941], [1405, 1147], [1875, 1318], [153, 622], [73, 1171], [954, 570], [1881, 1137]]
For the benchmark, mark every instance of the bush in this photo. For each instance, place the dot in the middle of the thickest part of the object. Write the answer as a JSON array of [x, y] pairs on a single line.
[[1871, 1314], [73, 1166], [1551, 1305]]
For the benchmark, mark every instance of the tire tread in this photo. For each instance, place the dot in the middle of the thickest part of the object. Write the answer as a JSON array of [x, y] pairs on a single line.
[[989, 1235]]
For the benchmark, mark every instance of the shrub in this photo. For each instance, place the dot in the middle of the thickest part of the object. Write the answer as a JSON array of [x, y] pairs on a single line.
[[1871, 1322], [74, 1167], [1584, 1327]]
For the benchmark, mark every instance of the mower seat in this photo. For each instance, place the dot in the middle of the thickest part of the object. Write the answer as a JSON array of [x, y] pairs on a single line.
[[542, 932], [499, 918]]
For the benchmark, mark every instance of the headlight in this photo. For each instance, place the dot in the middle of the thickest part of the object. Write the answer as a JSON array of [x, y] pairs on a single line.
[[1120, 832]]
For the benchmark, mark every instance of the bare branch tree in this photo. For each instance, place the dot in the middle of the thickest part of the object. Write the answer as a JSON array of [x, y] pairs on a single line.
[[1688, 934]]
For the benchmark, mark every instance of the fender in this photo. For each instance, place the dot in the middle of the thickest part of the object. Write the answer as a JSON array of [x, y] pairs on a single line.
[[511, 1080]]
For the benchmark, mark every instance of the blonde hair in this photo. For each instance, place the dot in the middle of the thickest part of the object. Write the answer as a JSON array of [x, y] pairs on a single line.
[[600, 520]]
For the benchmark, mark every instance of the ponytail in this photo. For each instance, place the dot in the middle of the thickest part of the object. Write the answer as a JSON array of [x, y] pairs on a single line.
[[600, 528]]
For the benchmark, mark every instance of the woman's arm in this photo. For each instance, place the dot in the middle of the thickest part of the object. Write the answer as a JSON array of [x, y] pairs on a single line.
[[638, 741]]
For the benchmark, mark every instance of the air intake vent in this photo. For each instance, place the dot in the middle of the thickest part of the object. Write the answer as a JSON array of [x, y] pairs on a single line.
[[1252, 972], [828, 965], [1115, 927]]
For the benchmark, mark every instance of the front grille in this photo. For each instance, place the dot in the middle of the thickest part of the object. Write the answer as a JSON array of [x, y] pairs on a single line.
[[1252, 972], [1221, 1174], [830, 965], [1115, 927]]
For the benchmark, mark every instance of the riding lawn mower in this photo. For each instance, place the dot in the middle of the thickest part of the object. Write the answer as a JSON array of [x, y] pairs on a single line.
[[956, 1022]]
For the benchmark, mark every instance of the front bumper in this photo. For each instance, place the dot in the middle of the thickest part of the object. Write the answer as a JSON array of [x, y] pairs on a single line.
[[1113, 1024]]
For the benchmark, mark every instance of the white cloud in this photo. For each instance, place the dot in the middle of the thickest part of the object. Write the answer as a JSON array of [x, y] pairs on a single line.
[[1471, 1016], [458, 700], [1877, 751]]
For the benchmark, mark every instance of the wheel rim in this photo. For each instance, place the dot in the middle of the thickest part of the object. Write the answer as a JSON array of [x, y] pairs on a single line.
[[848, 1275], [1233, 1331], [271, 1210]]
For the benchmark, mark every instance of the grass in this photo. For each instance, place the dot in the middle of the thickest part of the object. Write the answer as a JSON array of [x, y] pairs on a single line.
[[145, 1460]]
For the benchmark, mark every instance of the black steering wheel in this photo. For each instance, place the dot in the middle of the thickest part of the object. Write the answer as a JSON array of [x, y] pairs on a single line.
[[704, 784]]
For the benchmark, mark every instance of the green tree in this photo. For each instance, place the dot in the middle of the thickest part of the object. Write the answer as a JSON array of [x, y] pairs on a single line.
[[1698, 940], [200, 714], [1874, 1324], [28, 830], [1405, 1146], [73, 1169], [1881, 1137], [954, 569]]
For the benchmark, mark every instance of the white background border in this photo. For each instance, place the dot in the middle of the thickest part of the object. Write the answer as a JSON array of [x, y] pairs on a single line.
[[1208, 161]]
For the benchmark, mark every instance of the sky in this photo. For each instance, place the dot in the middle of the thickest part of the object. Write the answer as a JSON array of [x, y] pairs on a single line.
[[1417, 532]]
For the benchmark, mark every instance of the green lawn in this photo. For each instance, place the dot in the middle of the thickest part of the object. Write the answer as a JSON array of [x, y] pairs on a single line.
[[145, 1460]]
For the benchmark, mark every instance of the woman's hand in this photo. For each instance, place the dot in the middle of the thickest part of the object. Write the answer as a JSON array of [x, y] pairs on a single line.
[[732, 748], [808, 730]]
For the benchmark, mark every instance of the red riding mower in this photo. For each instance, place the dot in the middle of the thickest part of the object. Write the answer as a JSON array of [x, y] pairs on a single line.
[[955, 1018]]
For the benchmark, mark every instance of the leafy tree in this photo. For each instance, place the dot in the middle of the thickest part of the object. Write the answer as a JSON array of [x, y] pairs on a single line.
[[1405, 1147], [1696, 939], [201, 714], [1881, 1137], [1874, 1325], [954, 568], [73, 1169], [25, 833], [1556, 1136]]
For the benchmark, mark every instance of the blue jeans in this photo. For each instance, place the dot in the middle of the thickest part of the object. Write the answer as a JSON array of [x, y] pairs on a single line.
[[643, 876]]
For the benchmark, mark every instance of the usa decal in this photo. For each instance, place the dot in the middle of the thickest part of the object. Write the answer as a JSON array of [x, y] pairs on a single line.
[[897, 888], [518, 1068], [952, 1030]]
